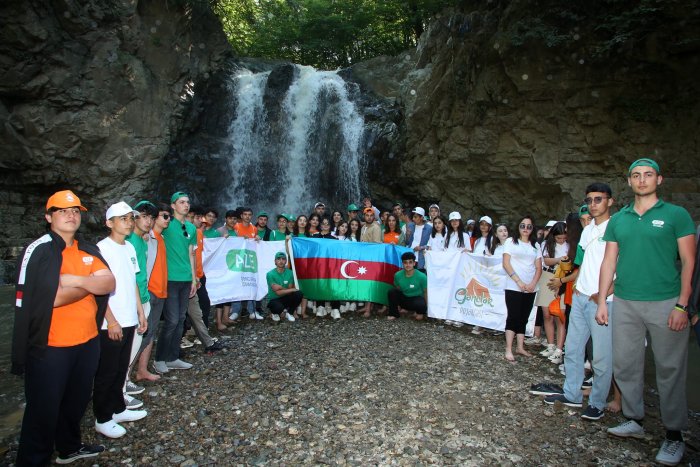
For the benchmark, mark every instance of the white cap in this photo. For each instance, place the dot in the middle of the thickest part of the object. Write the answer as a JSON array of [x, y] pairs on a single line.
[[471, 221], [119, 209], [551, 224], [434, 206], [319, 204], [455, 215], [419, 211], [486, 219]]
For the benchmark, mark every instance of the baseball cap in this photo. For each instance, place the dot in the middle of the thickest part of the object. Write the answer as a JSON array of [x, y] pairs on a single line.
[[366, 210], [144, 203], [119, 209], [177, 195], [646, 162], [353, 207], [262, 214], [486, 219], [64, 199], [283, 216], [454, 215], [319, 204], [419, 210], [550, 224], [280, 254], [471, 221], [583, 210], [434, 206]]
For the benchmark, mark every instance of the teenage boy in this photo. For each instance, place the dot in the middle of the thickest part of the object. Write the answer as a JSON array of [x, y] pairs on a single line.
[[157, 264], [229, 227], [418, 234], [180, 240], [353, 211], [411, 292], [211, 215], [124, 316], [397, 210], [367, 203], [244, 228], [283, 297], [264, 231], [582, 323], [643, 241], [60, 297]]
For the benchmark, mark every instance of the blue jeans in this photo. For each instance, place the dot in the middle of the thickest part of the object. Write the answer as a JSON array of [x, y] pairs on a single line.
[[174, 312], [582, 325], [237, 307]]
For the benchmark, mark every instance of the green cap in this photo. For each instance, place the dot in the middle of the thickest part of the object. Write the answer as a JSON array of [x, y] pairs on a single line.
[[353, 207], [645, 161], [143, 202], [177, 195], [283, 216], [583, 210], [262, 214], [280, 254], [291, 218]]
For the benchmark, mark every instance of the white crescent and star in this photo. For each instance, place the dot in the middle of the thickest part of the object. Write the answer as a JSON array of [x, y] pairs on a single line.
[[343, 269]]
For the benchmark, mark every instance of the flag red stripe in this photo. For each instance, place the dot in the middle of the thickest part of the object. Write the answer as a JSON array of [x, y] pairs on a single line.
[[332, 268]]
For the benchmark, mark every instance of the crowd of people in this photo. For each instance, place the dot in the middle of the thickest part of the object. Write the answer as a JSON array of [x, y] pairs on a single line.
[[87, 316]]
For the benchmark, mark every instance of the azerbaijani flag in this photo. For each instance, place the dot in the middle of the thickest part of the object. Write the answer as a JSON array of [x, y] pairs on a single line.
[[339, 270]]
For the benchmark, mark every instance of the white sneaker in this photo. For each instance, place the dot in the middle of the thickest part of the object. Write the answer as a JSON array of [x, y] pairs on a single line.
[[133, 388], [160, 367], [132, 402], [129, 415], [476, 330], [342, 309], [352, 306], [335, 314], [185, 343], [670, 452], [290, 317], [320, 312], [197, 342], [557, 357], [532, 341], [587, 365], [178, 365], [257, 316], [110, 429], [233, 316], [628, 429], [275, 318], [551, 348], [457, 324]]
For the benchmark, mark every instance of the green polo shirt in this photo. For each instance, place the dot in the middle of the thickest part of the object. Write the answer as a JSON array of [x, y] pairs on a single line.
[[414, 286], [141, 248], [274, 277], [277, 235], [177, 249], [212, 233], [648, 249]]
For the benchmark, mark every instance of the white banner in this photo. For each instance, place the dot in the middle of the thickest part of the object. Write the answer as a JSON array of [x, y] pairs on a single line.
[[469, 289], [236, 268]]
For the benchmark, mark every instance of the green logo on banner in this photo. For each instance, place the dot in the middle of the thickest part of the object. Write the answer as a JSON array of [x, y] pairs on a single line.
[[242, 260]]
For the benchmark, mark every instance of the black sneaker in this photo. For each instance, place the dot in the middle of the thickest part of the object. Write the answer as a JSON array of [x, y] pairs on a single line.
[[215, 347], [587, 384], [546, 389], [591, 413], [85, 451], [561, 398]]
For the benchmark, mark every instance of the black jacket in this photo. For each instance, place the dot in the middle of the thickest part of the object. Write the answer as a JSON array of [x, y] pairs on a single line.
[[38, 272]]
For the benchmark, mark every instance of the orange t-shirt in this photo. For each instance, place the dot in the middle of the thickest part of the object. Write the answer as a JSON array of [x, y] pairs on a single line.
[[75, 323], [199, 270], [158, 283], [392, 237], [249, 231]]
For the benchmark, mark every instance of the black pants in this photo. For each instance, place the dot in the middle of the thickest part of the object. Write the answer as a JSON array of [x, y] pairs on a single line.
[[107, 396], [57, 388], [398, 299], [204, 302], [519, 306], [290, 302]]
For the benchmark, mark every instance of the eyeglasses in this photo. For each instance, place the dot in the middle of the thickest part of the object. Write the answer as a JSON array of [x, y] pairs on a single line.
[[526, 226], [595, 199], [185, 232], [165, 216]]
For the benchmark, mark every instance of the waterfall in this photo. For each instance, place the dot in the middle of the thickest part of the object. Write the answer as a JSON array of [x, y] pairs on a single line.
[[292, 147]]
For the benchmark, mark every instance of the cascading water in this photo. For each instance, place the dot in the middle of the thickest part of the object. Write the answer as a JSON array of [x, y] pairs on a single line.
[[287, 155]]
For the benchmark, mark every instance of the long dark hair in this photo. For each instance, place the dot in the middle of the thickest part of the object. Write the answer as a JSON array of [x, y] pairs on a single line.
[[386, 226], [311, 216], [295, 228], [496, 240], [359, 229], [573, 232], [342, 219], [335, 231], [459, 232], [516, 232], [489, 236], [550, 243], [444, 227]]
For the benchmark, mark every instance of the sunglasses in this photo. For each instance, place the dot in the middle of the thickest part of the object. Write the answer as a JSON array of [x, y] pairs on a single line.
[[595, 199], [165, 216], [184, 231], [526, 226]]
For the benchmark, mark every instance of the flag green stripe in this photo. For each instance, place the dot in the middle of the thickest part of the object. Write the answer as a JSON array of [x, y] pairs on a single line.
[[344, 289]]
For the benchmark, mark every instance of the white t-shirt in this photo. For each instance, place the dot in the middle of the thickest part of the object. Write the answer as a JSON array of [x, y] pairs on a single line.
[[498, 252], [522, 259], [594, 249], [121, 260], [559, 250], [480, 247], [437, 243], [417, 234], [453, 242]]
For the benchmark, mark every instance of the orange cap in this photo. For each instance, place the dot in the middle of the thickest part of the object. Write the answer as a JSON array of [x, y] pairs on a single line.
[[366, 210], [64, 199]]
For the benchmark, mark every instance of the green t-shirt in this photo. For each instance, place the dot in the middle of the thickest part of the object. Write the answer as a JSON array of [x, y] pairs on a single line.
[[177, 249], [414, 286], [274, 277], [232, 233], [141, 248], [277, 235], [648, 249], [212, 233]]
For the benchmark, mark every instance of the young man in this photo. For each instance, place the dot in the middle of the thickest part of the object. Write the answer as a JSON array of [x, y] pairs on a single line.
[[180, 240], [229, 227], [411, 292], [418, 234], [397, 210], [283, 297], [582, 323], [157, 265], [353, 211], [211, 215], [584, 216], [60, 297], [643, 241], [123, 318], [264, 231], [320, 209], [367, 203], [371, 231], [245, 229]]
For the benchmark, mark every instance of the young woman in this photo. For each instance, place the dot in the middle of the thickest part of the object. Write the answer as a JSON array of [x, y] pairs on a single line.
[[314, 222], [482, 246], [325, 230], [341, 231], [392, 231], [337, 219], [437, 235], [383, 216], [499, 241], [300, 227], [554, 250], [522, 261], [355, 230], [457, 238]]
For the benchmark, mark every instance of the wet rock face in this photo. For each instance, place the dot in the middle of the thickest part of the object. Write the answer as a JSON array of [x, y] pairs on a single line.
[[92, 94], [496, 128]]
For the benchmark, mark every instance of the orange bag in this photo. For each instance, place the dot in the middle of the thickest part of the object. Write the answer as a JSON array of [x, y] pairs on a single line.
[[555, 309]]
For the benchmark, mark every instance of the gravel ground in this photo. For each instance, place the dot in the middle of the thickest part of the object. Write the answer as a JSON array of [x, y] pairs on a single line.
[[366, 392]]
